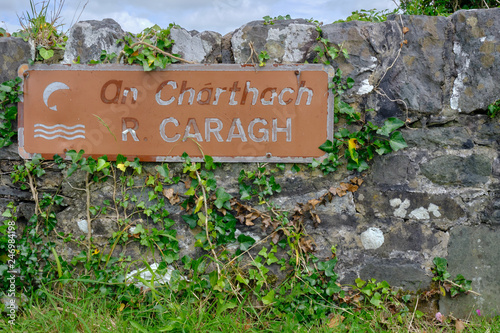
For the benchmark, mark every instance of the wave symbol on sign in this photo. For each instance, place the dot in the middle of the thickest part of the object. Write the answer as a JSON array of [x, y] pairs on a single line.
[[60, 131]]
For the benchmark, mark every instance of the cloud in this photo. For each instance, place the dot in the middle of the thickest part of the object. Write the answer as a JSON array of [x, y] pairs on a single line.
[[218, 15], [130, 23], [224, 16]]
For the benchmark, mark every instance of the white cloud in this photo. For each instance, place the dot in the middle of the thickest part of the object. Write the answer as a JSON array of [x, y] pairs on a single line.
[[130, 23], [217, 15]]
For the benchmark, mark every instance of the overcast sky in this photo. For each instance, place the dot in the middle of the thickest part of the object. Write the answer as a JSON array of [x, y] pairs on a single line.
[[222, 16]]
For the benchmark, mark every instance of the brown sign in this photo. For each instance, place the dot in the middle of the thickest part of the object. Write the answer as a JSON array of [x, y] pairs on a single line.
[[233, 113]]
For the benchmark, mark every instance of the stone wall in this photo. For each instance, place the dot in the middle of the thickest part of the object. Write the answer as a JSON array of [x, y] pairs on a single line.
[[438, 197]]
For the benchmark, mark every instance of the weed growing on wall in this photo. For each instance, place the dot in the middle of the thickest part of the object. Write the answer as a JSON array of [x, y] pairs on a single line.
[[9, 96], [268, 20], [233, 271], [370, 15], [150, 48], [356, 140], [442, 7], [493, 109], [42, 30]]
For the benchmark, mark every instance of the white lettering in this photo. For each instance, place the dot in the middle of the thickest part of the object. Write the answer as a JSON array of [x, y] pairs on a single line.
[[126, 130], [302, 90], [273, 95], [241, 132], [233, 91], [184, 90], [215, 131], [200, 95], [196, 134], [163, 132], [160, 88], [254, 91], [280, 97], [134, 95], [218, 92], [287, 129], [263, 131]]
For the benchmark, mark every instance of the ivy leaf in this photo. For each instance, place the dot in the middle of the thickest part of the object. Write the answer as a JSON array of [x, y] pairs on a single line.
[[352, 149], [191, 220], [332, 288], [209, 162], [101, 164], [295, 168], [390, 125], [269, 298], [327, 147], [72, 168], [397, 141], [163, 170], [245, 192], [349, 81], [139, 229], [328, 267], [245, 241], [222, 198], [199, 203], [74, 156]]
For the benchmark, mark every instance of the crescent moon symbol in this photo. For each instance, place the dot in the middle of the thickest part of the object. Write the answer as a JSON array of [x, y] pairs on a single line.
[[54, 86]]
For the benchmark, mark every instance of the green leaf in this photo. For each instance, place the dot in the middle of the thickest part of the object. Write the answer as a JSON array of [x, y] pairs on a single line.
[[74, 156], [327, 147], [120, 159], [101, 164], [199, 204], [209, 162], [328, 267], [332, 288], [350, 80], [226, 305], [376, 299], [397, 141], [222, 198], [191, 220], [390, 125], [190, 191], [295, 168], [46, 54], [138, 327], [139, 229], [269, 298], [245, 192], [245, 242], [241, 279]]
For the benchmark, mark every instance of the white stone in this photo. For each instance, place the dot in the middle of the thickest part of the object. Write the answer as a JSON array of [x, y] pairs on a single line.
[[401, 211], [395, 202], [419, 214], [83, 226], [146, 275], [372, 238], [191, 47], [458, 84], [434, 210], [365, 88]]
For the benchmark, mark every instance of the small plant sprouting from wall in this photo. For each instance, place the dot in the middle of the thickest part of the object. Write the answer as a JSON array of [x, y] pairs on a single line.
[[9, 96]]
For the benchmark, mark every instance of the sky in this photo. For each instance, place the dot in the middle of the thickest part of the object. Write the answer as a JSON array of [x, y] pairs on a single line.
[[222, 16]]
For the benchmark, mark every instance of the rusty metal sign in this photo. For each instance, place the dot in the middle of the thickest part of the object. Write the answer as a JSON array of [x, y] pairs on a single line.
[[234, 113]]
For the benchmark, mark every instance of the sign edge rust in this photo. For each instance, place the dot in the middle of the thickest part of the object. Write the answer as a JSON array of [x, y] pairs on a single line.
[[23, 73]]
